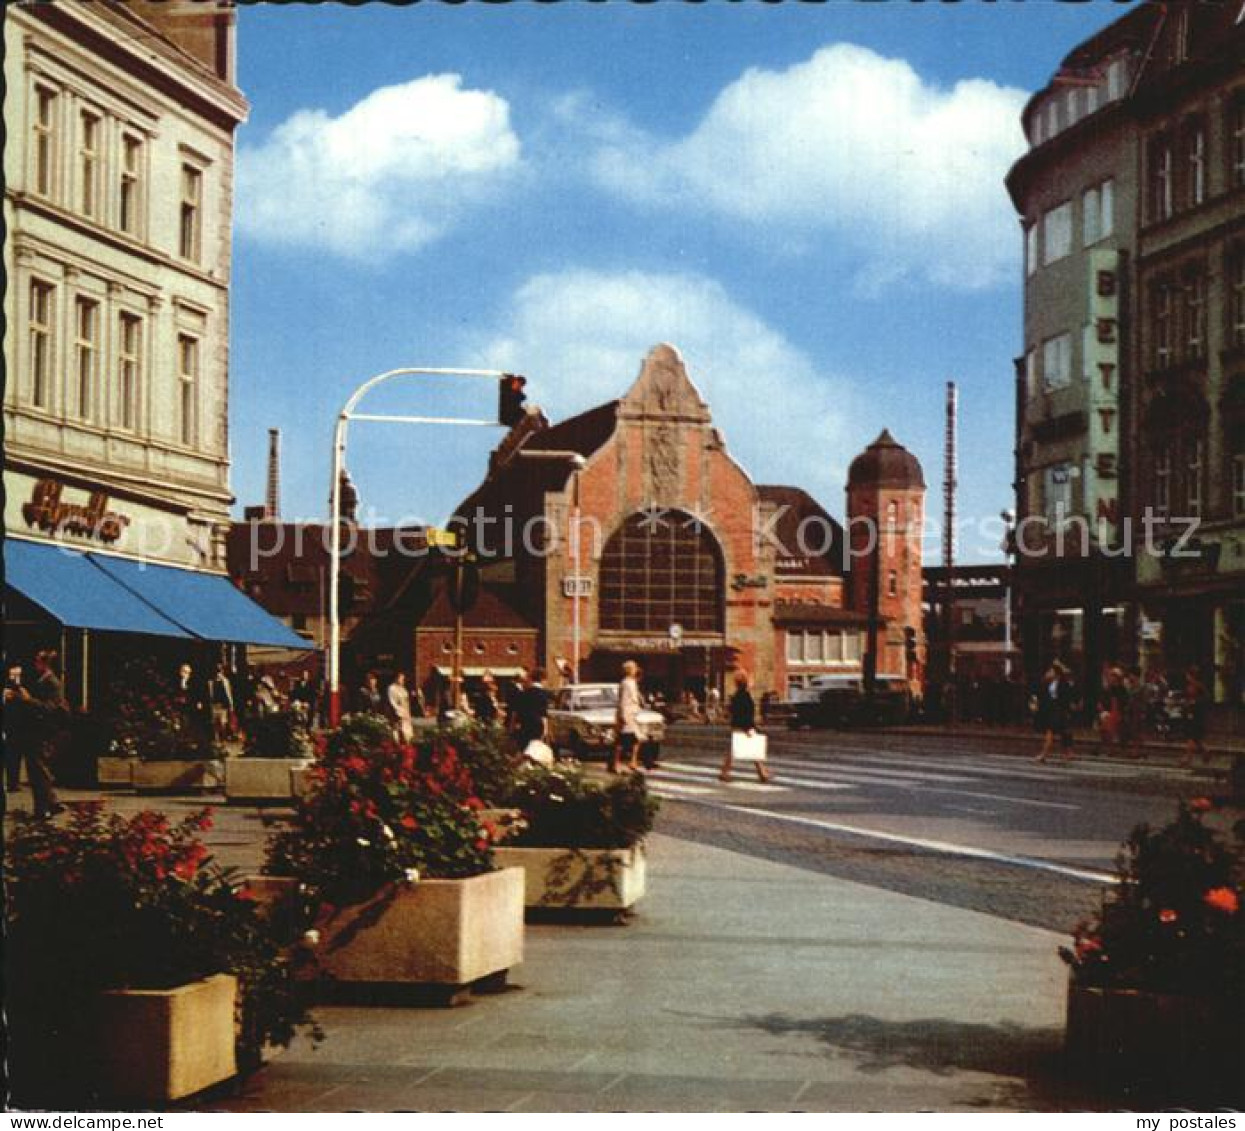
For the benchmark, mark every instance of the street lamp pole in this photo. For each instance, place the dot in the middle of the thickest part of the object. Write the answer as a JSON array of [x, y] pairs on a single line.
[[344, 418], [578, 462], [1009, 520]]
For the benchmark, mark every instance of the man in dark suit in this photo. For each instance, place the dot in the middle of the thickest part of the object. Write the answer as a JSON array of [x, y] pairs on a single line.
[[531, 709]]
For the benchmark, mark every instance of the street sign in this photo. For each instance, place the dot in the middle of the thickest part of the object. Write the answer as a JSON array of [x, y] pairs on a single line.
[[574, 586]]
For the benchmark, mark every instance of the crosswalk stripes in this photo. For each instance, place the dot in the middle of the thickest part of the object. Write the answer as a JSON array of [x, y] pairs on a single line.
[[823, 777]]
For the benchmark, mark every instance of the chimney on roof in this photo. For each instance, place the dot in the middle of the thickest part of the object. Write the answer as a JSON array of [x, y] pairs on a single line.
[[272, 500]]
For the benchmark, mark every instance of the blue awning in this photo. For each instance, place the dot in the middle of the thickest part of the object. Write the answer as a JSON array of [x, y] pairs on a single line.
[[69, 586], [206, 605]]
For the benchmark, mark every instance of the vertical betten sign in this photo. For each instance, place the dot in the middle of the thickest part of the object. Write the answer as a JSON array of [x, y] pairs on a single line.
[[1102, 496]]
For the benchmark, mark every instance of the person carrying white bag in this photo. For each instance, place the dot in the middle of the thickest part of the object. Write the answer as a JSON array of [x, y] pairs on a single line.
[[747, 743]]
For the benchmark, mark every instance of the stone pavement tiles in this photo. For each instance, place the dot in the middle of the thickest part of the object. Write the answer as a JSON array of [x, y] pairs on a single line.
[[741, 985]]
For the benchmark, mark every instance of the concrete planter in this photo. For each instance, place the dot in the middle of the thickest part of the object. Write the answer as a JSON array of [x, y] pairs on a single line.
[[176, 776], [448, 933], [114, 773], [262, 779], [139, 1047], [1132, 1036], [578, 878], [300, 786]]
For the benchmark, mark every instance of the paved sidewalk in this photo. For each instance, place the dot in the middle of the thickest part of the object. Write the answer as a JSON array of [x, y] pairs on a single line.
[[742, 985]]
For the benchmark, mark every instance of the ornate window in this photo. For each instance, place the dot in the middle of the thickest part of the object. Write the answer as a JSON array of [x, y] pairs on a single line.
[[1236, 298], [1195, 314], [41, 335], [129, 369], [86, 357], [44, 141], [1162, 179], [1195, 164], [662, 567]]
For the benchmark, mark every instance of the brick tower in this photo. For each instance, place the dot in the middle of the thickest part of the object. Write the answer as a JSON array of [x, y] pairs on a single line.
[[885, 510]]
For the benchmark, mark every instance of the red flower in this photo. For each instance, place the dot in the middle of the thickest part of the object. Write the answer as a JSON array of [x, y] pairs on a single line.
[[409, 823], [1167, 915], [1222, 899], [1200, 805]]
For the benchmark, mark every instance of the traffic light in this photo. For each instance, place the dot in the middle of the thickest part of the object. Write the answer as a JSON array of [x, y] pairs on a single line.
[[510, 398], [909, 643]]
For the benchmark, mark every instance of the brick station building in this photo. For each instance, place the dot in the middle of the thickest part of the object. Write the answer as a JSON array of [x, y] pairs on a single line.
[[681, 561]]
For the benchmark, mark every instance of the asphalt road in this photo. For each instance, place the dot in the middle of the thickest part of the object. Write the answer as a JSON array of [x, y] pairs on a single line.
[[967, 821]]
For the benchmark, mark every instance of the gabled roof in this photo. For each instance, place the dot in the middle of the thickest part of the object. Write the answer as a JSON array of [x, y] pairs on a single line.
[[520, 482], [811, 540]]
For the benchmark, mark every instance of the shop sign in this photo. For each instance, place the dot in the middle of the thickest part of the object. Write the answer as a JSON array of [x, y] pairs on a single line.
[[1102, 345], [47, 511]]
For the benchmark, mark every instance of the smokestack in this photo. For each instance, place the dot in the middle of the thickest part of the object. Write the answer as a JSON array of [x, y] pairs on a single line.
[[272, 501], [948, 519]]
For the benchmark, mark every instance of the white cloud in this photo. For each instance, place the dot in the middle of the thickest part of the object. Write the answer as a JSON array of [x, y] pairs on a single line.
[[581, 336], [393, 172], [853, 145]]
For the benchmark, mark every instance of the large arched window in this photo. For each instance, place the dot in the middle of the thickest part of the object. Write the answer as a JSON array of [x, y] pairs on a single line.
[[658, 569]]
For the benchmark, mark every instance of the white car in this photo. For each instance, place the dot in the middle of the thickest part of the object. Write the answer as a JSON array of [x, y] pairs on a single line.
[[583, 716]]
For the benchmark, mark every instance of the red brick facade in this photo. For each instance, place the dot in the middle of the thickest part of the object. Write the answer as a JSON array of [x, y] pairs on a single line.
[[657, 475]]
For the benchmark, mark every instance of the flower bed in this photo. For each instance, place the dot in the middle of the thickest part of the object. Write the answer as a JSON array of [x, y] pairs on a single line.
[[580, 843], [395, 865], [105, 904], [1157, 975]]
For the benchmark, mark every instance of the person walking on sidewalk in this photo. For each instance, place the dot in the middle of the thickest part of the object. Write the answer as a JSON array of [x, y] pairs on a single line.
[[51, 715], [743, 711], [1056, 711], [17, 719], [399, 699], [627, 720], [1195, 701]]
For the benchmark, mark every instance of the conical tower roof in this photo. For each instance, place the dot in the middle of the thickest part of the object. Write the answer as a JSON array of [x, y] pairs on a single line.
[[886, 463]]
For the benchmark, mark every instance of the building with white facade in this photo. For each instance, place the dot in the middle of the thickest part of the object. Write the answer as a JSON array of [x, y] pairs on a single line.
[[118, 202]]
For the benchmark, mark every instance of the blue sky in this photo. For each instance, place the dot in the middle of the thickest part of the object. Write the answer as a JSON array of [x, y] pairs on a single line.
[[805, 198]]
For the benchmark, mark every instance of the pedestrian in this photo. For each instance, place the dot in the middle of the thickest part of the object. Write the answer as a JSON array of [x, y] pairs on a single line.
[[1134, 713], [17, 730], [1056, 711], [220, 698], [713, 705], [51, 717], [743, 712], [399, 699], [485, 703], [267, 698], [531, 716], [627, 720], [303, 698], [368, 698], [1196, 699], [1112, 704]]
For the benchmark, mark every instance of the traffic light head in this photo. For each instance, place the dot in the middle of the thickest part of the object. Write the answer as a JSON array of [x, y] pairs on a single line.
[[510, 398]]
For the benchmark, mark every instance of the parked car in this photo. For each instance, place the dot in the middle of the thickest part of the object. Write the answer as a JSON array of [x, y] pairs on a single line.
[[841, 700], [582, 721]]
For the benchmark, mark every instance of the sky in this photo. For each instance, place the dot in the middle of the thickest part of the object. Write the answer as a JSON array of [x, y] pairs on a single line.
[[806, 199]]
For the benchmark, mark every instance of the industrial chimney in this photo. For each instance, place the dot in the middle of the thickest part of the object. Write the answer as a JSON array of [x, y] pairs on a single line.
[[272, 500]]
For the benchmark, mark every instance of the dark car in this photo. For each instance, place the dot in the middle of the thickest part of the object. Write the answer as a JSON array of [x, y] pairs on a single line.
[[841, 701]]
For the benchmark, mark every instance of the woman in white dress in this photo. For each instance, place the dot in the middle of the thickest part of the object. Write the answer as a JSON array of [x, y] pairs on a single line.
[[400, 709]]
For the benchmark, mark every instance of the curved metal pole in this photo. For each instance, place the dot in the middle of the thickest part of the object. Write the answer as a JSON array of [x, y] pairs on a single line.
[[339, 462]]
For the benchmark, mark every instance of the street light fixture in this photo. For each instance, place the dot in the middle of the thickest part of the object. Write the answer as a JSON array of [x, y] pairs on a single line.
[[344, 418], [578, 462]]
